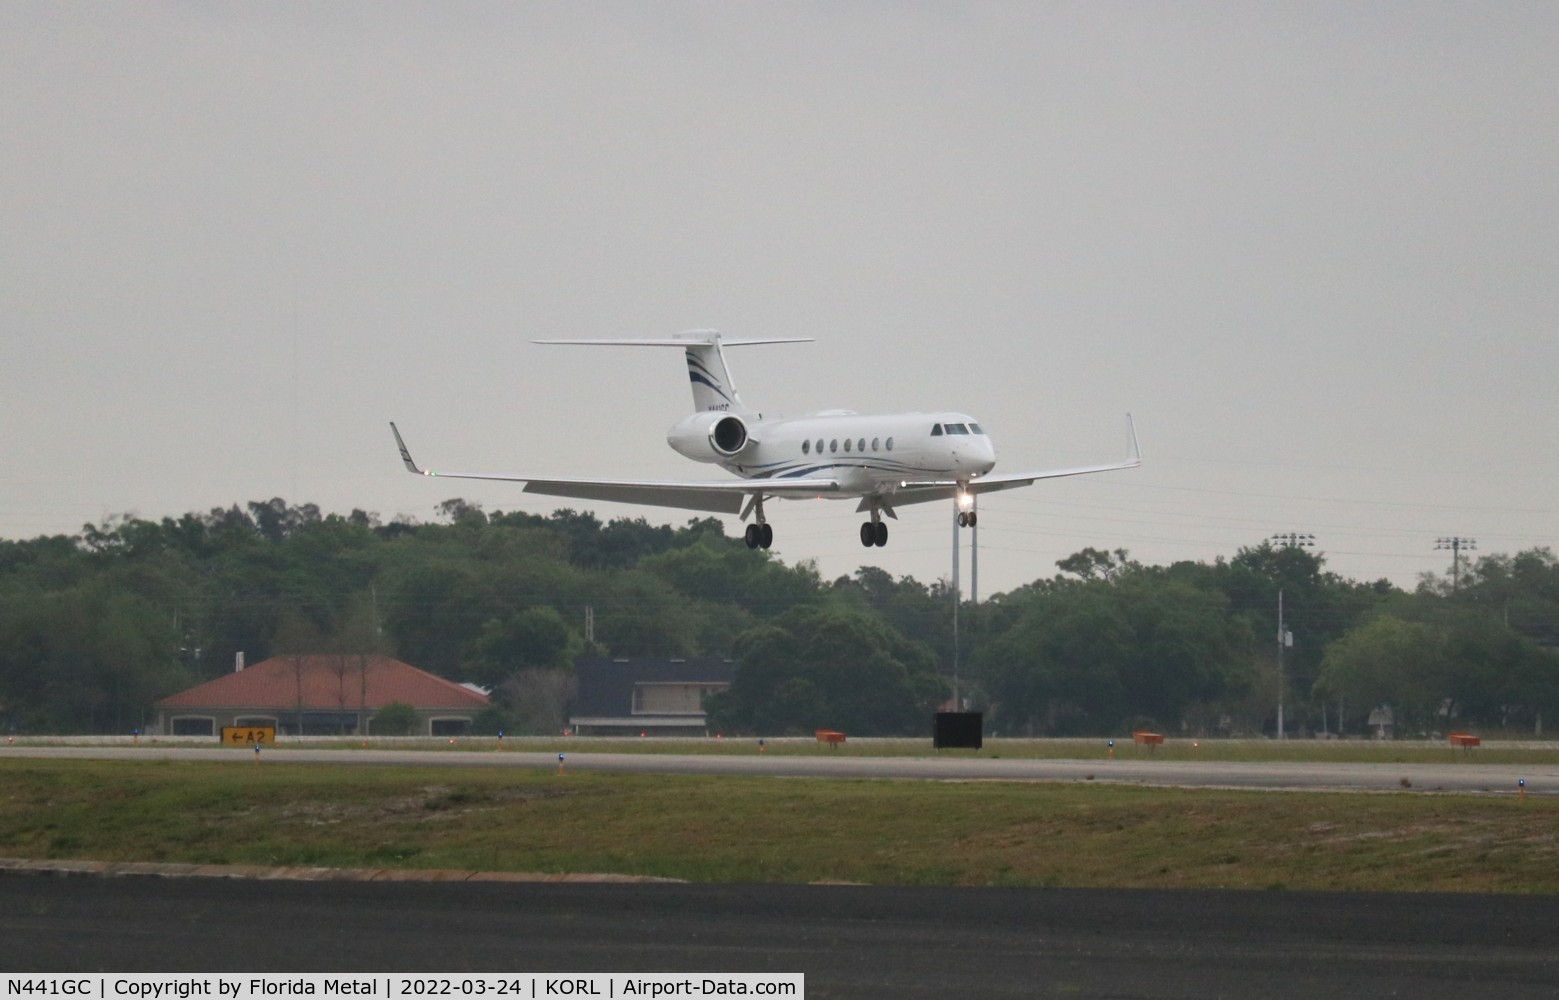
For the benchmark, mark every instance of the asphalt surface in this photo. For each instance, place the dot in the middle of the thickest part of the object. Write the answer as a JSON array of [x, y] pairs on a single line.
[[1462, 776], [851, 942]]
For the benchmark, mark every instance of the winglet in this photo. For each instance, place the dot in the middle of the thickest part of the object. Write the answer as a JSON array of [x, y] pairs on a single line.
[[406, 455], [1134, 457]]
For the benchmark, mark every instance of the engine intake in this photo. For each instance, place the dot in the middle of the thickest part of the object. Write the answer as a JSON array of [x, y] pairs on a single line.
[[729, 435], [709, 437]]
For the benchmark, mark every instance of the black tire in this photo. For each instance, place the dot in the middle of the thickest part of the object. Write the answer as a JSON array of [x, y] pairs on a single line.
[[881, 533], [868, 534], [766, 535]]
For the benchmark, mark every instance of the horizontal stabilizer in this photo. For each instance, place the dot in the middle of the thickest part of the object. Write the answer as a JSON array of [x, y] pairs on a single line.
[[691, 338], [711, 381]]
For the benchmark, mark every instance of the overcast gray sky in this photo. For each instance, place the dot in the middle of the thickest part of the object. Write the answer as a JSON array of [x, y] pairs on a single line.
[[1313, 247]]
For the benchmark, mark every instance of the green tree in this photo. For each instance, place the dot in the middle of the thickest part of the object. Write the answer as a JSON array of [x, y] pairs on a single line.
[[84, 659], [916, 611], [395, 719], [638, 615], [1120, 643], [494, 720], [536, 638], [1388, 661], [431, 616], [829, 668]]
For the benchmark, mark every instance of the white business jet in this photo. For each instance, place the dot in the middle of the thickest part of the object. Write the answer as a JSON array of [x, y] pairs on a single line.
[[884, 461]]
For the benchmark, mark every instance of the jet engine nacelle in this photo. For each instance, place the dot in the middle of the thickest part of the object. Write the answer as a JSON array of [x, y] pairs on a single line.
[[709, 437]]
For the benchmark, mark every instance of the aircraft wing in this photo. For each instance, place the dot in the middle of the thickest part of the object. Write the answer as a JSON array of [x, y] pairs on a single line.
[[719, 497], [945, 489]]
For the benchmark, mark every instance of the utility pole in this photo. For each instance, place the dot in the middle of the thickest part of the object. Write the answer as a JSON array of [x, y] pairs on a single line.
[[1456, 543], [1285, 638], [1291, 540]]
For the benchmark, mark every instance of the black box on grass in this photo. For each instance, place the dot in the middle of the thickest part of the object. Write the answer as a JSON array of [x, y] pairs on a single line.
[[958, 729]]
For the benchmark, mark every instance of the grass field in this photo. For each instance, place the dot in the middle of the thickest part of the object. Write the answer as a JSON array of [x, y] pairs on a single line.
[[733, 829]]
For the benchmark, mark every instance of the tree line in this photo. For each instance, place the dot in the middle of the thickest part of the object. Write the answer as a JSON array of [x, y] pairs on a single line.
[[94, 627]]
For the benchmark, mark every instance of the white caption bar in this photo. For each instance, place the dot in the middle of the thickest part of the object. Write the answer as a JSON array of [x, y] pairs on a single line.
[[422, 986]]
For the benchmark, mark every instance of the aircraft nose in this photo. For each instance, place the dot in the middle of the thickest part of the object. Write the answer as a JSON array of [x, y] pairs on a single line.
[[985, 456], [980, 456]]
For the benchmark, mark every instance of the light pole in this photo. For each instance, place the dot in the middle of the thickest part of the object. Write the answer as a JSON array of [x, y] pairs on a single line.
[[1291, 540], [963, 504], [956, 509], [1456, 543]]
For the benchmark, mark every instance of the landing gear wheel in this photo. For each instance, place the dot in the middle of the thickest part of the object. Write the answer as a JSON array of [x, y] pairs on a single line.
[[765, 535], [752, 536], [881, 531], [868, 534], [963, 519], [973, 515]]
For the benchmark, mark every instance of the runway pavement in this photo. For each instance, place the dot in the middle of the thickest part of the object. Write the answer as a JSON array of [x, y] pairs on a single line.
[[860, 943], [1461, 776]]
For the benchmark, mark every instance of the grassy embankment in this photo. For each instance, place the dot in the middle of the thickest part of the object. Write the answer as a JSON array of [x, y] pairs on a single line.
[[764, 829]]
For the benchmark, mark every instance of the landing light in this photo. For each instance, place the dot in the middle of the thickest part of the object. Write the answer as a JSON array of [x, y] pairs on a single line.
[[965, 500]]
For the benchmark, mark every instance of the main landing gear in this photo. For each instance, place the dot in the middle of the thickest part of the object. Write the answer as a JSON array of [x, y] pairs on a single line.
[[874, 533], [759, 533], [966, 518]]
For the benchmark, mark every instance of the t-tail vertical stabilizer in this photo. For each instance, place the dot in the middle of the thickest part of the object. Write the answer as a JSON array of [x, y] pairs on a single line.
[[713, 389]]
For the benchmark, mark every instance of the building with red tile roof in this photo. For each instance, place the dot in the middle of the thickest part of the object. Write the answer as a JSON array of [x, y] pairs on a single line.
[[317, 695]]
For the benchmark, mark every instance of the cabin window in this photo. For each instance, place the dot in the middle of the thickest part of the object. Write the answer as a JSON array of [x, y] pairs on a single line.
[[890, 444], [846, 444], [936, 430], [806, 447], [833, 445], [875, 446]]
